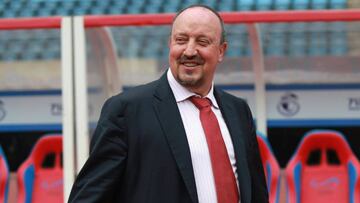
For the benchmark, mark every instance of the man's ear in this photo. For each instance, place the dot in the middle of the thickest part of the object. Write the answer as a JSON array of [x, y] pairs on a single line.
[[222, 50]]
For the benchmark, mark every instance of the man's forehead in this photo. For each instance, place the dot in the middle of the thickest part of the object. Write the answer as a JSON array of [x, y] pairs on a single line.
[[197, 14], [196, 11]]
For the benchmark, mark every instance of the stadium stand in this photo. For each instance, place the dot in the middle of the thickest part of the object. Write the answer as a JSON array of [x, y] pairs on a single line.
[[4, 177], [271, 168], [40, 177], [303, 40], [323, 169]]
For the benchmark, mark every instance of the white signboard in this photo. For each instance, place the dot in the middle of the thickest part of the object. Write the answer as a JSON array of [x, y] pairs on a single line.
[[35, 110], [41, 110], [308, 107]]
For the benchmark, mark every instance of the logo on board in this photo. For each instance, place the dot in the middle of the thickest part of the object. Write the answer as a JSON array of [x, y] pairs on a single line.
[[328, 183], [288, 105], [56, 109], [2, 110], [354, 104]]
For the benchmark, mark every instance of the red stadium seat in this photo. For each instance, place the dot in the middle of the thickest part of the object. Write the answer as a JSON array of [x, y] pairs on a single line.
[[4, 177], [271, 168], [323, 170], [40, 177]]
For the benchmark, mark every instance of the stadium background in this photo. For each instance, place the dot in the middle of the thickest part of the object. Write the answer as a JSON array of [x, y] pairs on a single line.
[[327, 55]]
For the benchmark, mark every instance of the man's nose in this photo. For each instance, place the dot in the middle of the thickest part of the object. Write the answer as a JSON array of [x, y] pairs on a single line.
[[190, 49]]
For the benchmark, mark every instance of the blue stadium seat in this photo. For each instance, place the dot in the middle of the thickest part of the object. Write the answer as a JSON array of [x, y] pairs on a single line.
[[153, 46], [45, 12], [158, 2], [297, 39], [264, 4], [211, 3], [62, 11], [52, 5], [185, 3], [276, 45], [27, 12], [170, 9], [338, 4], [282, 4], [134, 8], [338, 43], [8, 13], [317, 44], [152, 8], [80, 11], [16, 6], [301, 4], [97, 10], [245, 5], [138, 4], [116, 7], [85, 4], [319, 4], [297, 44], [226, 6], [104, 4]]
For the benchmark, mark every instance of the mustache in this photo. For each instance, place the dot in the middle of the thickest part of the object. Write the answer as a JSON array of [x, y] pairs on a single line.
[[191, 59]]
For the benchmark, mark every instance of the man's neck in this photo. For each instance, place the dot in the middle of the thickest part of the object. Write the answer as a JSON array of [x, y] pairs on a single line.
[[202, 91]]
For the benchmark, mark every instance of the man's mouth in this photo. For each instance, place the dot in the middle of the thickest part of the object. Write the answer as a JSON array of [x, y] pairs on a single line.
[[190, 64], [191, 61]]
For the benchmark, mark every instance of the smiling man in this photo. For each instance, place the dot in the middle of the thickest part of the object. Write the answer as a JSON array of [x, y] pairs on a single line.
[[196, 47], [178, 139]]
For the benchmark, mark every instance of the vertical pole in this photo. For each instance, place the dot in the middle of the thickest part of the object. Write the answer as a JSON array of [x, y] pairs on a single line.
[[81, 102], [258, 64], [68, 121]]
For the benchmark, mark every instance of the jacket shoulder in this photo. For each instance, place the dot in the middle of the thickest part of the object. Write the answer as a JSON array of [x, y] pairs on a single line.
[[138, 92], [135, 95]]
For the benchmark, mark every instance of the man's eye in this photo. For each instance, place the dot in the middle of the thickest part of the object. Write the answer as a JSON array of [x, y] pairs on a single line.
[[180, 40], [203, 42]]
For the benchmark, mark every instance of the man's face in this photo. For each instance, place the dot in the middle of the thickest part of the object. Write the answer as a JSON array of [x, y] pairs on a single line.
[[195, 49]]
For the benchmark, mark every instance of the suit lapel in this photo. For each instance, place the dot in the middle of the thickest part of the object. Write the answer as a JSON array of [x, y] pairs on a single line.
[[235, 128], [170, 119]]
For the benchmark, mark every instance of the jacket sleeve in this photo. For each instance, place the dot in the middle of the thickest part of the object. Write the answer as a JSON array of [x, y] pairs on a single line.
[[102, 172], [259, 192]]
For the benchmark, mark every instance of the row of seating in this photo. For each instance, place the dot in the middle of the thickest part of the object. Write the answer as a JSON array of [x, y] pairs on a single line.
[[323, 169], [27, 8], [40, 176], [299, 39]]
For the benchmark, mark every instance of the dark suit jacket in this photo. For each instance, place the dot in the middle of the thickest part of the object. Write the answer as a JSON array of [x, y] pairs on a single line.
[[140, 154]]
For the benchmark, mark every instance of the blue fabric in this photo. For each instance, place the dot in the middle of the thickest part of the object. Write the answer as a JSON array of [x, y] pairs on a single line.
[[352, 178], [277, 192], [297, 176], [29, 176], [268, 170]]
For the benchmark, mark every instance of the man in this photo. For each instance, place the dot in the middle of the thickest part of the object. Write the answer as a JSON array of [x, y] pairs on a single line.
[[155, 143]]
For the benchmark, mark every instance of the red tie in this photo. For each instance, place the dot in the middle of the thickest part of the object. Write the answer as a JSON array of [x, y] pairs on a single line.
[[225, 183]]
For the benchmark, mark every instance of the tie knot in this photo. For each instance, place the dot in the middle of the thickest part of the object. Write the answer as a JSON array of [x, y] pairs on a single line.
[[200, 103]]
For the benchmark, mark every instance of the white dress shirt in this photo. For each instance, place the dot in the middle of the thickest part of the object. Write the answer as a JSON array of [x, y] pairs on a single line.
[[200, 156]]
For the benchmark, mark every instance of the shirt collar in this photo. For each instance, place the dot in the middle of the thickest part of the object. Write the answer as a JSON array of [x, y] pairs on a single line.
[[182, 94]]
